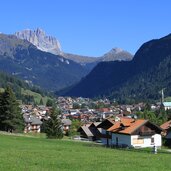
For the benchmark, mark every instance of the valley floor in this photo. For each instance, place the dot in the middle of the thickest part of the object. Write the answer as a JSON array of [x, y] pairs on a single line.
[[19, 153]]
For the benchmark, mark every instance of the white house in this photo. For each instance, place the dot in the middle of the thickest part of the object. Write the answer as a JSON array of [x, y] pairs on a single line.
[[135, 133], [130, 132], [32, 124]]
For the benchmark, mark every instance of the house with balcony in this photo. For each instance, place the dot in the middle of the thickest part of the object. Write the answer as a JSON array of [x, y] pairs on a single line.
[[32, 123], [66, 124]]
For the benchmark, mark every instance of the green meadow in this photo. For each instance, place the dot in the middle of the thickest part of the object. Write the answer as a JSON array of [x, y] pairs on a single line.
[[37, 96], [19, 153]]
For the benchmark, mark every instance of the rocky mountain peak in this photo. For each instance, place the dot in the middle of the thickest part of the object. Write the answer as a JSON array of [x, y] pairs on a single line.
[[116, 50], [117, 54], [42, 41], [39, 32]]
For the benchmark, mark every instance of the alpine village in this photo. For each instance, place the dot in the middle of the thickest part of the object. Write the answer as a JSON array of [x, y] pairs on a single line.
[[61, 111]]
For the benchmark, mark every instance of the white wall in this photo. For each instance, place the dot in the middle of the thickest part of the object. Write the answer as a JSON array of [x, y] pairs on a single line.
[[130, 140], [147, 141]]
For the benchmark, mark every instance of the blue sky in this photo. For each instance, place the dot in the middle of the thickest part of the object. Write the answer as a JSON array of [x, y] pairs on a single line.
[[90, 27]]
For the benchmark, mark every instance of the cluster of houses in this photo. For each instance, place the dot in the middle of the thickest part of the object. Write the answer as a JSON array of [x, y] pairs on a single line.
[[112, 125], [85, 109], [35, 116]]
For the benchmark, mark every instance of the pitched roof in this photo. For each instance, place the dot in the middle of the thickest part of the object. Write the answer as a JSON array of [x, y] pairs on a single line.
[[134, 126], [114, 127], [32, 119], [86, 129], [127, 125], [166, 125], [96, 124]]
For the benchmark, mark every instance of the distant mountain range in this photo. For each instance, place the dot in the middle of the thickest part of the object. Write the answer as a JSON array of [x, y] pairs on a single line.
[[51, 72], [38, 59], [139, 79], [50, 44]]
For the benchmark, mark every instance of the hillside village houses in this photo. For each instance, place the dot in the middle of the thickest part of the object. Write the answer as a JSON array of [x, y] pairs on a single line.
[[33, 116], [112, 124]]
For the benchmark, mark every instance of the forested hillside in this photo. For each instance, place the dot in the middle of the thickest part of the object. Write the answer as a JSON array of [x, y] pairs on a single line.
[[139, 79], [20, 88]]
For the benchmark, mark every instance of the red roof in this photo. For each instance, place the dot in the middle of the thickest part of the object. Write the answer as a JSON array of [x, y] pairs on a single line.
[[127, 125]]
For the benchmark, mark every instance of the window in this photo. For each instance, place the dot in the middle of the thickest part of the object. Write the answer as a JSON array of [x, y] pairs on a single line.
[[138, 141], [152, 140]]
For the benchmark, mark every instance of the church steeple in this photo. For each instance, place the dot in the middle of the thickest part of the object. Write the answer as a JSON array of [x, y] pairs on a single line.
[[162, 94]]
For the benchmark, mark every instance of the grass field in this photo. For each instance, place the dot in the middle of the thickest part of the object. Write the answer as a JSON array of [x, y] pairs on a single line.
[[39, 154]]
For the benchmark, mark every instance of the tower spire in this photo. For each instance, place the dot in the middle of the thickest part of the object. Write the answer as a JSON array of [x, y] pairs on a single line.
[[162, 94]]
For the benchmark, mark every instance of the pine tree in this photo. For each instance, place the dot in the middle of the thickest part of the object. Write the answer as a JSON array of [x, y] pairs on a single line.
[[10, 113], [49, 102], [54, 125]]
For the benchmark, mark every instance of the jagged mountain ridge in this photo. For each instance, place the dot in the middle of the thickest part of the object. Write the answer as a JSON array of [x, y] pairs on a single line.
[[51, 72], [142, 78], [50, 44]]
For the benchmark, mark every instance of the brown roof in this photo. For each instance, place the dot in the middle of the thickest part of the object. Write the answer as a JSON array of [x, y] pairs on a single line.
[[126, 121], [127, 125], [166, 125], [135, 125], [115, 126]]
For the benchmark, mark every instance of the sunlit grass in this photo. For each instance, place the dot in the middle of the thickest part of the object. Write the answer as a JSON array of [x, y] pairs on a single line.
[[39, 154]]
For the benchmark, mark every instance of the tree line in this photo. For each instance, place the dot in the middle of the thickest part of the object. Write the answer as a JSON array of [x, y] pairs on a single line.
[[11, 119]]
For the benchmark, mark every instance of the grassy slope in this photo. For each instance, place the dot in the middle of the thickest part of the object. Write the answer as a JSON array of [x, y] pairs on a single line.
[[37, 96], [38, 154]]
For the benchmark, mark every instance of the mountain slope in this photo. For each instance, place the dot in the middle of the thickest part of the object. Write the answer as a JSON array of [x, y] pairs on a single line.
[[21, 88], [115, 54], [51, 72], [141, 78]]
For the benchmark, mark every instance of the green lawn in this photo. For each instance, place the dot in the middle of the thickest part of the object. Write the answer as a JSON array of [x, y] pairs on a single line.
[[40, 154]]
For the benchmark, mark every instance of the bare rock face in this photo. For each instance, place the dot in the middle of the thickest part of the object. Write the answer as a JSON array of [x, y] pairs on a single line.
[[39, 38]]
